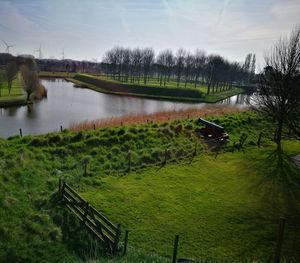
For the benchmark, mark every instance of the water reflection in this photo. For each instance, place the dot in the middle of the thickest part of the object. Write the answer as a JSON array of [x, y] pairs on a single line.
[[66, 104]]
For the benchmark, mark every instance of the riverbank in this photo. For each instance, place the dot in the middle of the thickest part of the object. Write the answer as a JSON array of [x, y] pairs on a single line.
[[154, 92], [222, 208], [159, 117], [56, 74]]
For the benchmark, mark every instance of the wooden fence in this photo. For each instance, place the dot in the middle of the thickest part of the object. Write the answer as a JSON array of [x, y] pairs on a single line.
[[104, 230]]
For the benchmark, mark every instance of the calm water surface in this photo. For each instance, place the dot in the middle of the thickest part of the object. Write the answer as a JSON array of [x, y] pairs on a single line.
[[67, 104]]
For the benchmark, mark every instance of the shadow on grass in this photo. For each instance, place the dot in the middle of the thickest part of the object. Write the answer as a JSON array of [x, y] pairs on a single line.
[[278, 188]]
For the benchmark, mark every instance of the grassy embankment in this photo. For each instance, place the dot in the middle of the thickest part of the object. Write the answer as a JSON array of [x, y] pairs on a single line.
[[225, 208], [56, 74], [153, 90], [17, 96]]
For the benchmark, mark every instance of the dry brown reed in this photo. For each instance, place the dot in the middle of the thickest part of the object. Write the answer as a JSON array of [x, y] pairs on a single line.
[[155, 117]]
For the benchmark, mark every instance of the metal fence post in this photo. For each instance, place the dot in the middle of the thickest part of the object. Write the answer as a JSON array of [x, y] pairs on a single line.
[[21, 134]]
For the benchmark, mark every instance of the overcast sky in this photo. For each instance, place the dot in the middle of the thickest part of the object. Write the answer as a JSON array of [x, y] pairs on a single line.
[[86, 29]]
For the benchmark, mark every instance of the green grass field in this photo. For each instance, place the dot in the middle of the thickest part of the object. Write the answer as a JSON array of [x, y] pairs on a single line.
[[215, 205], [153, 82], [154, 91], [16, 96], [223, 208]]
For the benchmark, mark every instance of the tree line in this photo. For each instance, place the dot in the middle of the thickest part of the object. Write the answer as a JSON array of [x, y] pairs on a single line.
[[141, 65]]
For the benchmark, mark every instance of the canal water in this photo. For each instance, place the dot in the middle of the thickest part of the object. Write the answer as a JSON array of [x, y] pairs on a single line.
[[67, 103]]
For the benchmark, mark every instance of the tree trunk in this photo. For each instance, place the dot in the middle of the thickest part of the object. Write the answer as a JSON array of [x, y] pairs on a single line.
[[196, 80], [28, 95], [278, 134]]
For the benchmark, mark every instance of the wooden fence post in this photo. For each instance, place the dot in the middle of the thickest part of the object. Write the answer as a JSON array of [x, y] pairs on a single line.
[[21, 134], [129, 161], [86, 212], [279, 239], [125, 242], [259, 139], [94, 126], [175, 249]]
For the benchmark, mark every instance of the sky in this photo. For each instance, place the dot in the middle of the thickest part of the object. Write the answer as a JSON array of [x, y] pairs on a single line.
[[86, 29]]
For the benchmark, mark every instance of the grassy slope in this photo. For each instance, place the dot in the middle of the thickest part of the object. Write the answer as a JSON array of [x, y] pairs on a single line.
[[48, 74], [201, 97], [152, 82], [198, 201], [17, 96], [214, 205]]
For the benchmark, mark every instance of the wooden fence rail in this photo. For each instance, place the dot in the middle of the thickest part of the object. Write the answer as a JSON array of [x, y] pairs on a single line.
[[103, 229]]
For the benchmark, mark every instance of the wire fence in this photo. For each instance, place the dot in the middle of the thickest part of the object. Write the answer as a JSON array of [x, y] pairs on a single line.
[[138, 160]]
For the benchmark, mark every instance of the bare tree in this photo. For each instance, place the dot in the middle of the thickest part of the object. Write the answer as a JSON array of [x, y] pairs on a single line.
[[30, 80], [11, 70], [170, 62], [188, 63], [147, 61], [162, 66], [199, 64], [180, 56], [280, 86]]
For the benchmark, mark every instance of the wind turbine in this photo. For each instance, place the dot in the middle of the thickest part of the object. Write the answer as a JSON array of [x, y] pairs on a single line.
[[7, 46], [63, 54], [40, 51]]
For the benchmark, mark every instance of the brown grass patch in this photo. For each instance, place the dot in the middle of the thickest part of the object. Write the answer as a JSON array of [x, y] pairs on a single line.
[[155, 117]]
